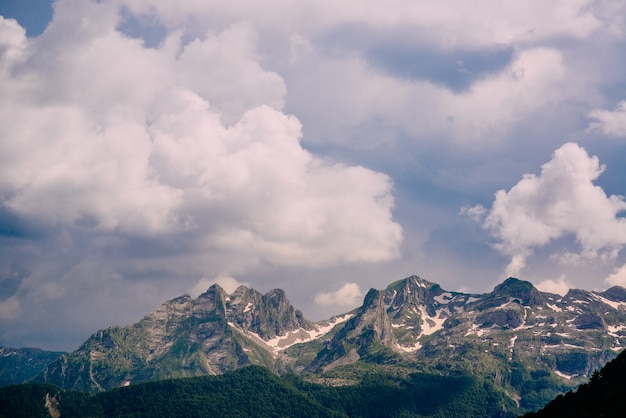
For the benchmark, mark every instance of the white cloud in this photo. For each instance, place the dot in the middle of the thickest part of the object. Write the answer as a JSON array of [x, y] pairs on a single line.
[[560, 285], [476, 213], [536, 78], [618, 277], [561, 201], [239, 82], [143, 149], [445, 23], [346, 92], [612, 123], [12, 42], [347, 295]]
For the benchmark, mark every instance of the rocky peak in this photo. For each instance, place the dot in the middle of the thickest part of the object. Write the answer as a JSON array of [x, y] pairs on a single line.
[[409, 295], [374, 319], [527, 294], [268, 315], [276, 315], [210, 304], [370, 319], [175, 308], [577, 294], [242, 306], [369, 329], [615, 293]]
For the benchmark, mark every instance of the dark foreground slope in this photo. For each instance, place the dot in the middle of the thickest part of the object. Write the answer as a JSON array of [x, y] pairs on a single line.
[[603, 396], [254, 391]]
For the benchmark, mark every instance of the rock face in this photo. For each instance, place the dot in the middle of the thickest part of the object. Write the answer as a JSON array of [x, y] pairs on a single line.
[[530, 343], [212, 334]]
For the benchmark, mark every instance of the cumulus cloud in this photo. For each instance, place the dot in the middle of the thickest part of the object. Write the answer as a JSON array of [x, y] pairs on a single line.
[[562, 200], [124, 148], [349, 294], [610, 122], [560, 285], [618, 277]]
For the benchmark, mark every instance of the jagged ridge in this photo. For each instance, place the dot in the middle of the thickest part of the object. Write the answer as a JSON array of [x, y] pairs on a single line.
[[212, 334]]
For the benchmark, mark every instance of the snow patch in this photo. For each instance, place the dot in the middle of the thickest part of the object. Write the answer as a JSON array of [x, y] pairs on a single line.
[[301, 335], [571, 345], [554, 308], [437, 322], [612, 304], [564, 376], [410, 349], [476, 330], [612, 330], [248, 307]]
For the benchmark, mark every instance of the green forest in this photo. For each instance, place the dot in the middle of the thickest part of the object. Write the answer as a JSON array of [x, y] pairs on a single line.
[[255, 391]]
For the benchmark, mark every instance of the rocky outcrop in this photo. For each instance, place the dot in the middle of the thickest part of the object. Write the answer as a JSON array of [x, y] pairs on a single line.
[[503, 318]]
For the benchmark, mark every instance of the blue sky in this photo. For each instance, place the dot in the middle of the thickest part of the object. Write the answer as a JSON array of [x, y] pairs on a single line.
[[150, 148]]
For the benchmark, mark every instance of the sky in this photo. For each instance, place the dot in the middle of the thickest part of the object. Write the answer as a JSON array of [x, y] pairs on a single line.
[[151, 148]]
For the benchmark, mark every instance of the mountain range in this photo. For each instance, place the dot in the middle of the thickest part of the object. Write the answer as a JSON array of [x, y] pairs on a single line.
[[530, 345]]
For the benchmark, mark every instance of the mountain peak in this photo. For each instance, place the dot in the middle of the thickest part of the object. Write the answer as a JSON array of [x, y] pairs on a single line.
[[410, 282], [527, 294], [615, 293]]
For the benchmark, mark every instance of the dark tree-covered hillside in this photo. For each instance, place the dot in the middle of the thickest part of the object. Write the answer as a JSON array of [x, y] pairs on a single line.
[[255, 391], [603, 396]]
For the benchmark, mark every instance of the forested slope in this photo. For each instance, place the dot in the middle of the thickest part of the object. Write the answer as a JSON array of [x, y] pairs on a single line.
[[255, 391]]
